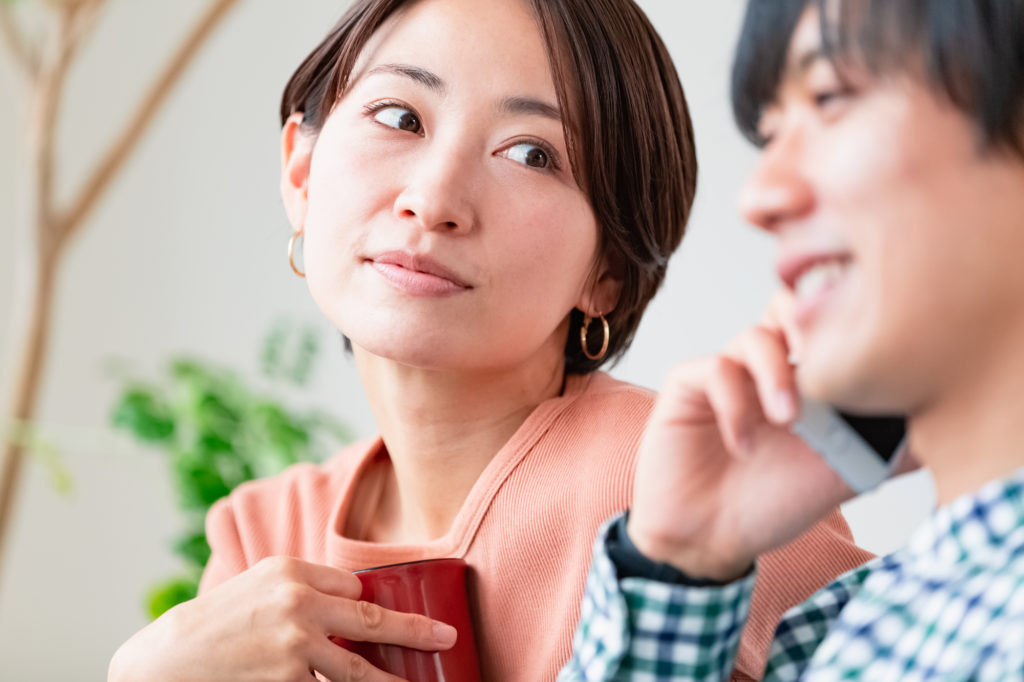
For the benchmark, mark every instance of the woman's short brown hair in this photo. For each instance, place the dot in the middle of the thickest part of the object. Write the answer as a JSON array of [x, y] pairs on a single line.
[[628, 131]]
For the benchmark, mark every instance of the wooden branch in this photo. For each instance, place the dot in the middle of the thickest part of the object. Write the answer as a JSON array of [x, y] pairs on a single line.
[[29, 343], [75, 21], [10, 35], [81, 19], [33, 325], [119, 151], [49, 90]]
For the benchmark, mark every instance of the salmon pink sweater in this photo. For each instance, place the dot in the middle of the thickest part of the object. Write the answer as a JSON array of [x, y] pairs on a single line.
[[526, 530]]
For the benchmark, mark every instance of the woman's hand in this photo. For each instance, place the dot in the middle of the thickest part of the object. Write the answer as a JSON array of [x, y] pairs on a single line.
[[720, 477], [272, 622]]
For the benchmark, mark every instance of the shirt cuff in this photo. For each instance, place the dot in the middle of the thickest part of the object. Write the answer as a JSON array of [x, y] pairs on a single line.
[[632, 627], [630, 562]]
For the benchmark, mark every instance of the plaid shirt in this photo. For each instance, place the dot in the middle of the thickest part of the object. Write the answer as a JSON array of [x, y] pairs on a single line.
[[949, 606]]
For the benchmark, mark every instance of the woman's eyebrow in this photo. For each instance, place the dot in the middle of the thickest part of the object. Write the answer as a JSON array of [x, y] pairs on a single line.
[[529, 105], [422, 76], [509, 105]]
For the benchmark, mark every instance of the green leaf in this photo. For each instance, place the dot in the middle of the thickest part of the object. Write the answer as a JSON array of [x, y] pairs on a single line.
[[46, 453], [49, 456], [198, 481], [270, 355], [194, 549], [211, 443], [279, 428], [216, 416], [304, 357], [186, 369], [144, 415], [234, 470], [328, 425], [170, 593], [218, 432]]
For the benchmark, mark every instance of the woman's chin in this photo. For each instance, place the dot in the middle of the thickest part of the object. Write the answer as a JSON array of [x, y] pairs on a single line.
[[420, 353]]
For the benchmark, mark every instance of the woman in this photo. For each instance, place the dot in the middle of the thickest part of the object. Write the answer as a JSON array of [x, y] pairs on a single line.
[[487, 194]]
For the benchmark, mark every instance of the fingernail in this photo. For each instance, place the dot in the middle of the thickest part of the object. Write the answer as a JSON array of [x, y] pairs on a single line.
[[784, 405], [444, 634]]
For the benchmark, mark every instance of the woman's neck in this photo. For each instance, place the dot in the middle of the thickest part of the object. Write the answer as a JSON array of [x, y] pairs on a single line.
[[441, 430], [973, 432]]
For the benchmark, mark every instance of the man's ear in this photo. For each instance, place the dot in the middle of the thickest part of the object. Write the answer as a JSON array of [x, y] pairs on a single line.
[[603, 289], [296, 154]]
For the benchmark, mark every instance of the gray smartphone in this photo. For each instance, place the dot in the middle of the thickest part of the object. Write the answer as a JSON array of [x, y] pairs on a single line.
[[864, 450]]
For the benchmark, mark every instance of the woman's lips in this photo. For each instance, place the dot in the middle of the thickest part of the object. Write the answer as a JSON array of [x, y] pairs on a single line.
[[417, 275]]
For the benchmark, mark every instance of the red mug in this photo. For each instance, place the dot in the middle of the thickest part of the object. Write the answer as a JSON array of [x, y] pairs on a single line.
[[435, 588]]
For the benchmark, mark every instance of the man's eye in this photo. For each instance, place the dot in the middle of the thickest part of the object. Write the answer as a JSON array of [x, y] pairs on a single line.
[[764, 140], [831, 98], [826, 97], [398, 118], [530, 155]]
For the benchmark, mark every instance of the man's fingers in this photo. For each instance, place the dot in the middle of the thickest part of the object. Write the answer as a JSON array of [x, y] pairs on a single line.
[[733, 398], [779, 315], [764, 352]]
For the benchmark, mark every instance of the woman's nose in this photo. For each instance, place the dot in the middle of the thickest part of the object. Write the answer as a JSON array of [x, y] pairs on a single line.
[[438, 192], [778, 190]]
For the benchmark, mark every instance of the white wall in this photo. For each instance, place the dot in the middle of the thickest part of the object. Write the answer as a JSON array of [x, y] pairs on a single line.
[[187, 255]]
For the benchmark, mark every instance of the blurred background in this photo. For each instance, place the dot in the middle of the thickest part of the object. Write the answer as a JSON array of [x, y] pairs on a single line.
[[183, 256]]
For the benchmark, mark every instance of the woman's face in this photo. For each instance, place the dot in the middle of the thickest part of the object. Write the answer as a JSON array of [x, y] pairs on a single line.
[[899, 235], [443, 227]]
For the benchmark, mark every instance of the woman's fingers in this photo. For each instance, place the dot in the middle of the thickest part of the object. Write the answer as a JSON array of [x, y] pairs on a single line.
[[330, 598], [364, 621], [321, 578], [341, 665]]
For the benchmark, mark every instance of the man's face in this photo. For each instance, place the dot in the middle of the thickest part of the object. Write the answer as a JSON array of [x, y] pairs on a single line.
[[899, 235]]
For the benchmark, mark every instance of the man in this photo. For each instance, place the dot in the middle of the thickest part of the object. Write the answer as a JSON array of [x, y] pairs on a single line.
[[892, 176]]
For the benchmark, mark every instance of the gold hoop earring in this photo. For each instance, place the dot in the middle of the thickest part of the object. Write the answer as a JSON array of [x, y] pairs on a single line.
[[587, 319], [291, 253]]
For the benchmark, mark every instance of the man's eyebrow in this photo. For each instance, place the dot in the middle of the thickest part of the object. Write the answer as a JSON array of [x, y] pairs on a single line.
[[529, 105], [422, 76], [803, 61]]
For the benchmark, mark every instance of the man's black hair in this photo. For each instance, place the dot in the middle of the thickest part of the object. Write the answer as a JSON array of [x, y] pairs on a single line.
[[970, 52]]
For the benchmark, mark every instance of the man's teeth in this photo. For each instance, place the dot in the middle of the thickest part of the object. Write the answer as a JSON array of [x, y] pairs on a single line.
[[818, 278]]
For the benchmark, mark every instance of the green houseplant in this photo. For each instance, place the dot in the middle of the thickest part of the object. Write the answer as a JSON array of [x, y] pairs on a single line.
[[217, 432]]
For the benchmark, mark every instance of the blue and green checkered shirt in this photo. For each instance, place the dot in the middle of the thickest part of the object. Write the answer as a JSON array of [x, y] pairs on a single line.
[[949, 606]]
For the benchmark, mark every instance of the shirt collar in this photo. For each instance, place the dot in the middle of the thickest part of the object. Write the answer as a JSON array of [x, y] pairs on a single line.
[[983, 527]]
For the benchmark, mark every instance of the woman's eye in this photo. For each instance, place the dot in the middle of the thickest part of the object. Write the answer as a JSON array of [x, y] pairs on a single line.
[[530, 155], [398, 118]]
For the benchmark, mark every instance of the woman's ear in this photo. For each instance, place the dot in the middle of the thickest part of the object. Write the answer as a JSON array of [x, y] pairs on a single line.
[[601, 294], [296, 154]]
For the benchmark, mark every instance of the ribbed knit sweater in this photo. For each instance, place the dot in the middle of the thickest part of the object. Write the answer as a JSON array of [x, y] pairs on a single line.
[[526, 530]]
